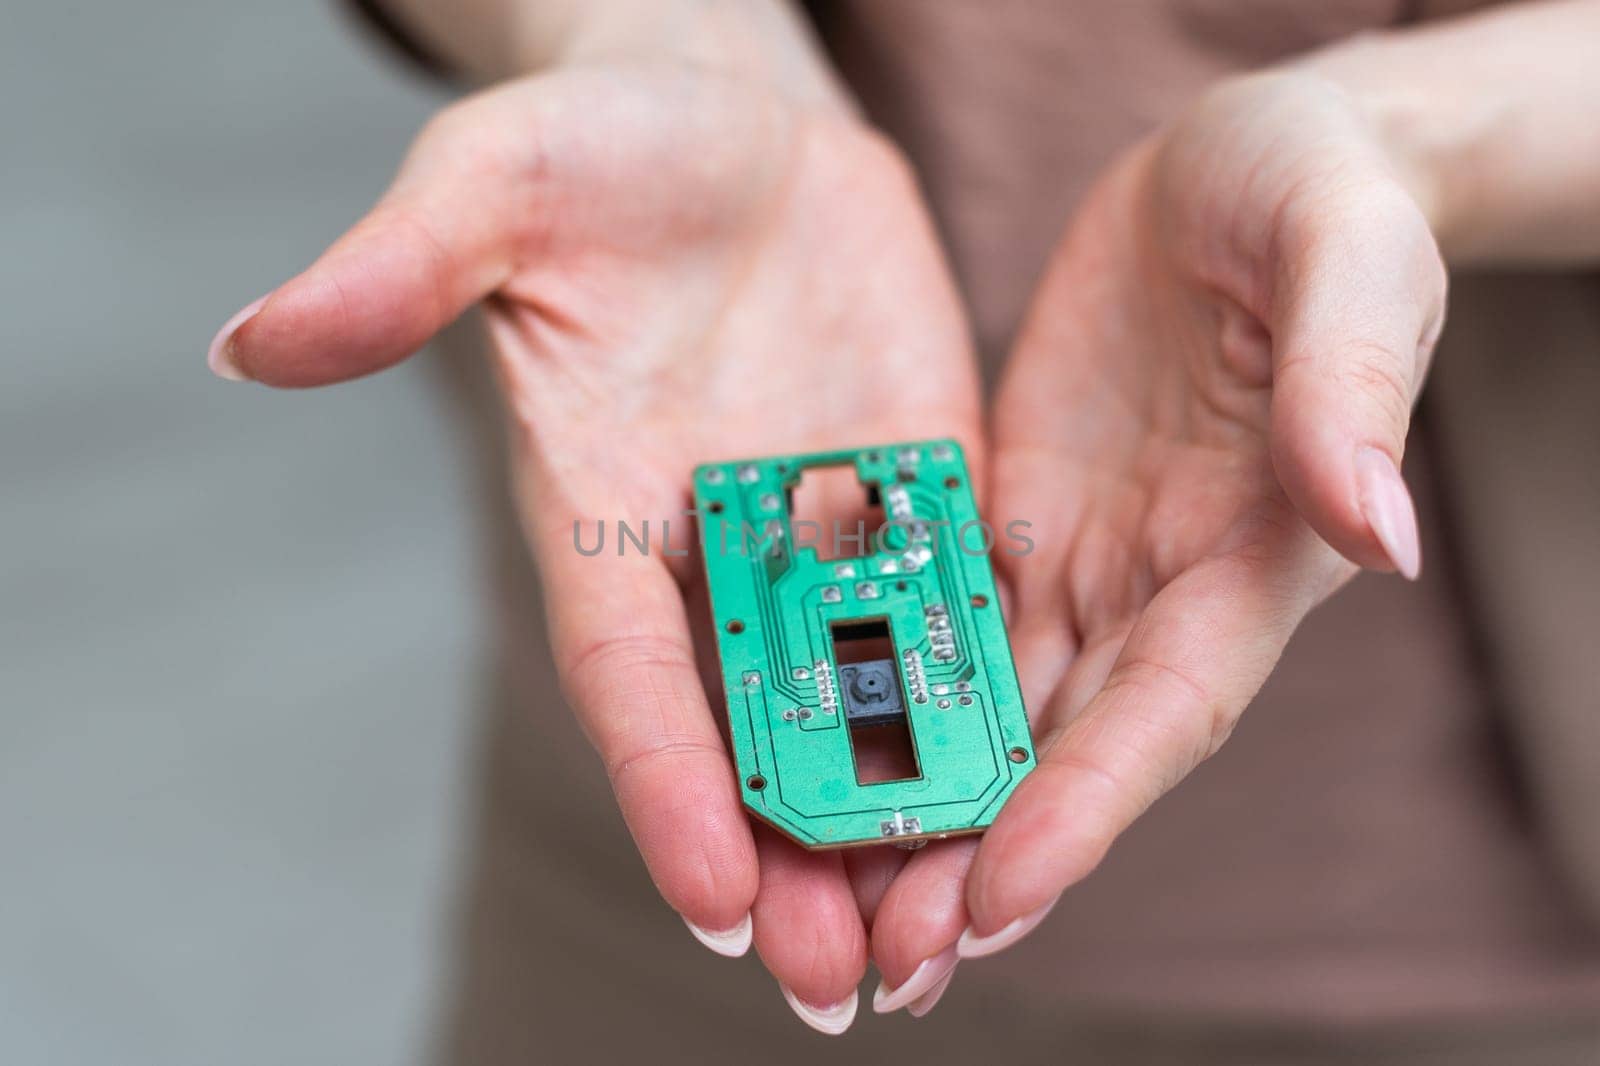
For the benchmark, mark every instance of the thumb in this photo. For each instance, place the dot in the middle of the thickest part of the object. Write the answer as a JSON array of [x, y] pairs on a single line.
[[444, 236], [1357, 304]]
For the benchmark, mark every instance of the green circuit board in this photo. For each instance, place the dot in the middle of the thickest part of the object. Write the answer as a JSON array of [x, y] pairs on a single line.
[[871, 696]]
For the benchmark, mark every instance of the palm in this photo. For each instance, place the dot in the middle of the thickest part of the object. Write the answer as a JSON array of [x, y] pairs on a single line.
[[1134, 430], [771, 285]]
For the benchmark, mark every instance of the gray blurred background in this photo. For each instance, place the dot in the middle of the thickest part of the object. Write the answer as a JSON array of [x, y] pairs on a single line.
[[236, 634]]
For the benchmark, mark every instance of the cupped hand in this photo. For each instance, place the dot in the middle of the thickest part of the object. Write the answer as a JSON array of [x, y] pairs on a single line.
[[1203, 419], [679, 267]]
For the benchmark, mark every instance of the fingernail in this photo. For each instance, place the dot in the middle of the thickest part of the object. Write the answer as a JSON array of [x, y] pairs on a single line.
[[831, 1020], [219, 357], [973, 946], [922, 1006], [930, 972], [730, 942], [1389, 511]]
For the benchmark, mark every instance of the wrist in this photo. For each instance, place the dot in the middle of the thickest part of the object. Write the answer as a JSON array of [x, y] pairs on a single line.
[[762, 42], [1428, 142]]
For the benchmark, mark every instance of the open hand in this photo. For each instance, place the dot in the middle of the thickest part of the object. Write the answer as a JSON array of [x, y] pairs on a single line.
[[679, 267], [1203, 419]]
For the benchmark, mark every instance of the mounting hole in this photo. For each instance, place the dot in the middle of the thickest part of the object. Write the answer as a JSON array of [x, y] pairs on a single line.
[[952, 482], [734, 626], [1015, 755], [980, 600], [756, 782], [715, 506]]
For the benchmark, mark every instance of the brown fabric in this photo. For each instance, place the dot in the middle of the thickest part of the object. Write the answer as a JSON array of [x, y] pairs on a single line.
[[1518, 396], [1354, 879]]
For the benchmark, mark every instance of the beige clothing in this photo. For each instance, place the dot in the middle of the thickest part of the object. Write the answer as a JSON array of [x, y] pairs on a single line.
[[1357, 876]]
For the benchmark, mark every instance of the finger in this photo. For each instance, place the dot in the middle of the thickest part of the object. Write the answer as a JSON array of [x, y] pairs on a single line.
[[871, 872], [443, 237], [808, 931], [1088, 673], [1042, 642], [921, 917], [1191, 663], [1035, 494], [1357, 305], [622, 647], [924, 913], [914, 940]]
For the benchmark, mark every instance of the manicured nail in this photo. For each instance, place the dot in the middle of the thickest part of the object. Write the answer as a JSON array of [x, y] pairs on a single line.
[[219, 357], [922, 1006], [831, 1020], [1389, 510], [730, 942], [973, 946], [929, 973]]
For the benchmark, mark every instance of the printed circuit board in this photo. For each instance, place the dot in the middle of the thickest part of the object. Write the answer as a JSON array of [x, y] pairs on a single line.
[[871, 695]]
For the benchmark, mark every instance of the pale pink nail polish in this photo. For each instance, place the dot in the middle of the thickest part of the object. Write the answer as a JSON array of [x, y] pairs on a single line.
[[219, 357], [730, 942], [831, 1020], [1387, 506], [930, 998], [973, 946], [929, 973]]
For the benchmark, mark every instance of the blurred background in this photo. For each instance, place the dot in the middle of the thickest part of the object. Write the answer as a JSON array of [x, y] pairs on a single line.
[[234, 719], [239, 640]]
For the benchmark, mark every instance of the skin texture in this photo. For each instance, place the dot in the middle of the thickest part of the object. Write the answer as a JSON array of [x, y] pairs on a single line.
[[670, 260]]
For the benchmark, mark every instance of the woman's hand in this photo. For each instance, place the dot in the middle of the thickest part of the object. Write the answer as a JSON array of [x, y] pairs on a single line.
[[1203, 419], [679, 266]]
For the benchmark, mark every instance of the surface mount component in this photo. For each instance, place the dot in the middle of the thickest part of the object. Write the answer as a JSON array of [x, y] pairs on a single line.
[[872, 694], [871, 697]]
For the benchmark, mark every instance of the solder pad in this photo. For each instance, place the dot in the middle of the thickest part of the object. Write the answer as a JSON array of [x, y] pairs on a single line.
[[923, 590]]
